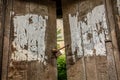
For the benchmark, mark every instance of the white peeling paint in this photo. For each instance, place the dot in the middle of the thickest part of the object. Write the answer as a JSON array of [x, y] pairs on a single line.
[[98, 24], [29, 38], [75, 36], [94, 28], [87, 41]]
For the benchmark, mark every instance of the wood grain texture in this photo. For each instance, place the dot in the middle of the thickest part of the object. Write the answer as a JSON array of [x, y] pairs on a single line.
[[111, 14], [112, 69], [116, 12], [30, 28], [87, 30], [16, 69], [86, 23], [111, 62], [6, 41], [2, 12], [75, 59]]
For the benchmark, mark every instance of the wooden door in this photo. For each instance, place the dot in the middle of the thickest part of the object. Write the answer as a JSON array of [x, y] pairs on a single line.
[[90, 32], [29, 37]]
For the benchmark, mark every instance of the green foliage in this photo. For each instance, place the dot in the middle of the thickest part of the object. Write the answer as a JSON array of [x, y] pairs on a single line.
[[61, 62], [59, 36]]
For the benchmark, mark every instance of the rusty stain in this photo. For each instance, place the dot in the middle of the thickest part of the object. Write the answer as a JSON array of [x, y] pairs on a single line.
[[100, 30], [85, 21], [25, 47], [30, 20], [26, 55], [89, 36], [94, 51], [13, 48]]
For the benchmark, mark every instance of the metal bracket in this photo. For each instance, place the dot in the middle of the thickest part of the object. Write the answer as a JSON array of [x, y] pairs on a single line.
[[107, 41]]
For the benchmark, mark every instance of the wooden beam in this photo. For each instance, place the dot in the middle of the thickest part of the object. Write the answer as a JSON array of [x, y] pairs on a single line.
[[112, 24]]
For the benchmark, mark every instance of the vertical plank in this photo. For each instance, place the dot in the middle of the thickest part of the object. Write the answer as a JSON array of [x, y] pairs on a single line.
[[6, 40], [94, 40], [16, 68], [116, 12], [112, 69], [111, 62], [98, 24], [111, 9], [35, 8], [52, 37], [2, 16], [86, 24], [74, 53], [45, 71]]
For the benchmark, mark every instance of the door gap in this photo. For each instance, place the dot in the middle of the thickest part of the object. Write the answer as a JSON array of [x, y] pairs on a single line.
[[61, 60]]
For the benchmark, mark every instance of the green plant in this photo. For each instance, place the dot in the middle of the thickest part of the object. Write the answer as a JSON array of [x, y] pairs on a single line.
[[61, 62], [59, 37]]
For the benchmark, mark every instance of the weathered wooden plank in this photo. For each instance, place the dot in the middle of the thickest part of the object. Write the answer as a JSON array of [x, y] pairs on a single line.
[[93, 39], [35, 8], [2, 16], [91, 68], [116, 13], [6, 40], [98, 16], [52, 37], [111, 14], [102, 72], [72, 31], [49, 70], [111, 63], [85, 21], [112, 73], [17, 69]]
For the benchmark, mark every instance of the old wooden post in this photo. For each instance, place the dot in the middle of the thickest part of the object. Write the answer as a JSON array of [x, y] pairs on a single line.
[[2, 20], [29, 37], [112, 12], [93, 52]]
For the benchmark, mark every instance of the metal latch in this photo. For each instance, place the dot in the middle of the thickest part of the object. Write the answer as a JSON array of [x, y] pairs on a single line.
[[56, 52]]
